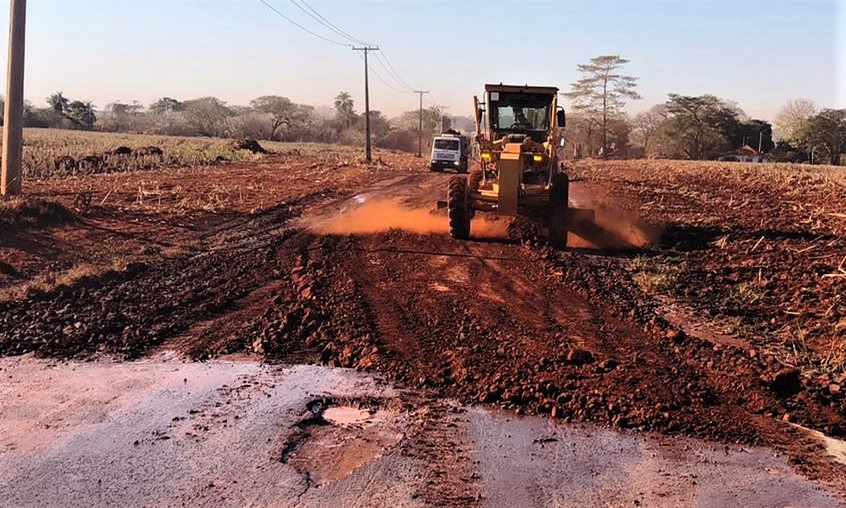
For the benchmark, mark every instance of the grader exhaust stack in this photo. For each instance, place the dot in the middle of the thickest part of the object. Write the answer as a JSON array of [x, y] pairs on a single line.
[[518, 132]]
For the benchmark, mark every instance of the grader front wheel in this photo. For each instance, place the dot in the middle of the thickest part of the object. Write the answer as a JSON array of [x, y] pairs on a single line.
[[458, 208]]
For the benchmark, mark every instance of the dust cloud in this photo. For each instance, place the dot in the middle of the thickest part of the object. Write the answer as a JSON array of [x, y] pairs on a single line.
[[384, 215], [612, 227]]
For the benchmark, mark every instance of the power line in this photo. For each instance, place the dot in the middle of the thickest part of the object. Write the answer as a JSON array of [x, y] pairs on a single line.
[[325, 22], [381, 58], [392, 73], [315, 15], [395, 73], [383, 80], [304, 29]]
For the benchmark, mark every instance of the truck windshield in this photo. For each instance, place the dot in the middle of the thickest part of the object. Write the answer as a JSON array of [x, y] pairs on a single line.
[[526, 117], [446, 144]]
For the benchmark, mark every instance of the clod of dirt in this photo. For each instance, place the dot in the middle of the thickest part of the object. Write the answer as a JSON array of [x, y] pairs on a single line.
[[148, 151], [250, 145], [121, 150], [579, 356]]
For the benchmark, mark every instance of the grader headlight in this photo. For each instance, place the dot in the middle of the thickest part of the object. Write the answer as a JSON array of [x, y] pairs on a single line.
[[537, 158], [486, 156]]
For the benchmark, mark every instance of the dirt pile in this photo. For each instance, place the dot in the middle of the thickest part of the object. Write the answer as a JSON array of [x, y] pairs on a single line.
[[250, 145], [24, 213]]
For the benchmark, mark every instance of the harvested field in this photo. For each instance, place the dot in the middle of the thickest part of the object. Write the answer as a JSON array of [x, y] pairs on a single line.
[[720, 317]]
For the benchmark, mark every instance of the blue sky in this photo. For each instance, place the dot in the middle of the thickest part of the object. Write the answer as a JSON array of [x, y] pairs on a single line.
[[758, 53]]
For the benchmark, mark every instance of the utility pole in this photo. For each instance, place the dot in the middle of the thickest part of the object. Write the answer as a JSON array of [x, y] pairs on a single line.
[[10, 182], [760, 140], [443, 115], [420, 124], [365, 49]]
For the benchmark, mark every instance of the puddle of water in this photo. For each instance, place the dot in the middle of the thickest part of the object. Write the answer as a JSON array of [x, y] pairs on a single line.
[[353, 438], [345, 416]]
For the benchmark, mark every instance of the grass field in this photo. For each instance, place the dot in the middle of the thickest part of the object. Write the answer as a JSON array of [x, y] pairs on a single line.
[[43, 147]]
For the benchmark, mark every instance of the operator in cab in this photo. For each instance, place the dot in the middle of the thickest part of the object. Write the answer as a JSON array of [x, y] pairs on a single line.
[[520, 120]]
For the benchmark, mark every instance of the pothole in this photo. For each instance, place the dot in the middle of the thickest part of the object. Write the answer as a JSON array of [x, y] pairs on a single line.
[[335, 438]]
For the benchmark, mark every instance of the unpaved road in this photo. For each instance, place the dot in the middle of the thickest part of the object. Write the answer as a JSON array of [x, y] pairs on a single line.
[[499, 320], [223, 433]]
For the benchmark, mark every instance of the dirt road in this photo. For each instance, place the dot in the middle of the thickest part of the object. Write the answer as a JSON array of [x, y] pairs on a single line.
[[160, 432], [366, 277]]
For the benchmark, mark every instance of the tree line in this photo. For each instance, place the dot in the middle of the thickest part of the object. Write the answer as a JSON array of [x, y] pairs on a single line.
[[702, 127], [271, 117]]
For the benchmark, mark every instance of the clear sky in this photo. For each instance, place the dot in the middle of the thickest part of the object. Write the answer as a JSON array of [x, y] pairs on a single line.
[[758, 53]]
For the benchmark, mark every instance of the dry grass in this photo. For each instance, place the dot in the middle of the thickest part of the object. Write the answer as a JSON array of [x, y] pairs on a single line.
[[42, 147], [49, 280]]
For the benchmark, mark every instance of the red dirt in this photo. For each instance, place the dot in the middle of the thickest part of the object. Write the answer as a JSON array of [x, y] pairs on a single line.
[[578, 335]]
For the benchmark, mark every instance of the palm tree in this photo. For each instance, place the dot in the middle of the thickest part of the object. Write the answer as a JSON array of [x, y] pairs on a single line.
[[344, 108], [58, 102]]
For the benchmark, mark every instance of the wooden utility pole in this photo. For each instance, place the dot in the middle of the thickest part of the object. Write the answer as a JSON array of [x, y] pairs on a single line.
[[367, 157], [10, 183], [420, 124]]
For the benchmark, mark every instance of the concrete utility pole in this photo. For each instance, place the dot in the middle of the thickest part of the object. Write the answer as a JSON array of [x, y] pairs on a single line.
[[10, 183], [420, 124], [367, 157]]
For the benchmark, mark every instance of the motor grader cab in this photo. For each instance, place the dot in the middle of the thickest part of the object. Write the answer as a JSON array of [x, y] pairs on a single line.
[[518, 133]]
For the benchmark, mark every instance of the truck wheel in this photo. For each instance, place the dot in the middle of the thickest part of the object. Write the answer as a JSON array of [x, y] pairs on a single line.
[[458, 209], [559, 198]]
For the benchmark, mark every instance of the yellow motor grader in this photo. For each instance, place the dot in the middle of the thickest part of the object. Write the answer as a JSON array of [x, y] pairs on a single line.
[[518, 133]]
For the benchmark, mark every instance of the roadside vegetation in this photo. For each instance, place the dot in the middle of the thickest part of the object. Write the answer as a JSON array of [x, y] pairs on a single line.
[[692, 127]]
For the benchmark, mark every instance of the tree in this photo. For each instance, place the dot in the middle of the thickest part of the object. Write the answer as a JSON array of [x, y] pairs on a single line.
[[344, 108], [206, 115], [647, 123], [697, 127], [58, 102], [602, 91], [379, 125], [280, 109], [81, 114], [827, 133], [791, 121], [409, 120], [166, 105]]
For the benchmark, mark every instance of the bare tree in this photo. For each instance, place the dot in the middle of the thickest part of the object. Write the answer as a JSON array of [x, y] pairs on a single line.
[[792, 119], [602, 91], [646, 124]]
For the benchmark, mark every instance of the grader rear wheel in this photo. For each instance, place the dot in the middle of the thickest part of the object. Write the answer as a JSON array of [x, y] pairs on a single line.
[[458, 208]]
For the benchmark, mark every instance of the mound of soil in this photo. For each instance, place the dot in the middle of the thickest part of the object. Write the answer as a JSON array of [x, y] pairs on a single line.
[[24, 213], [250, 145]]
